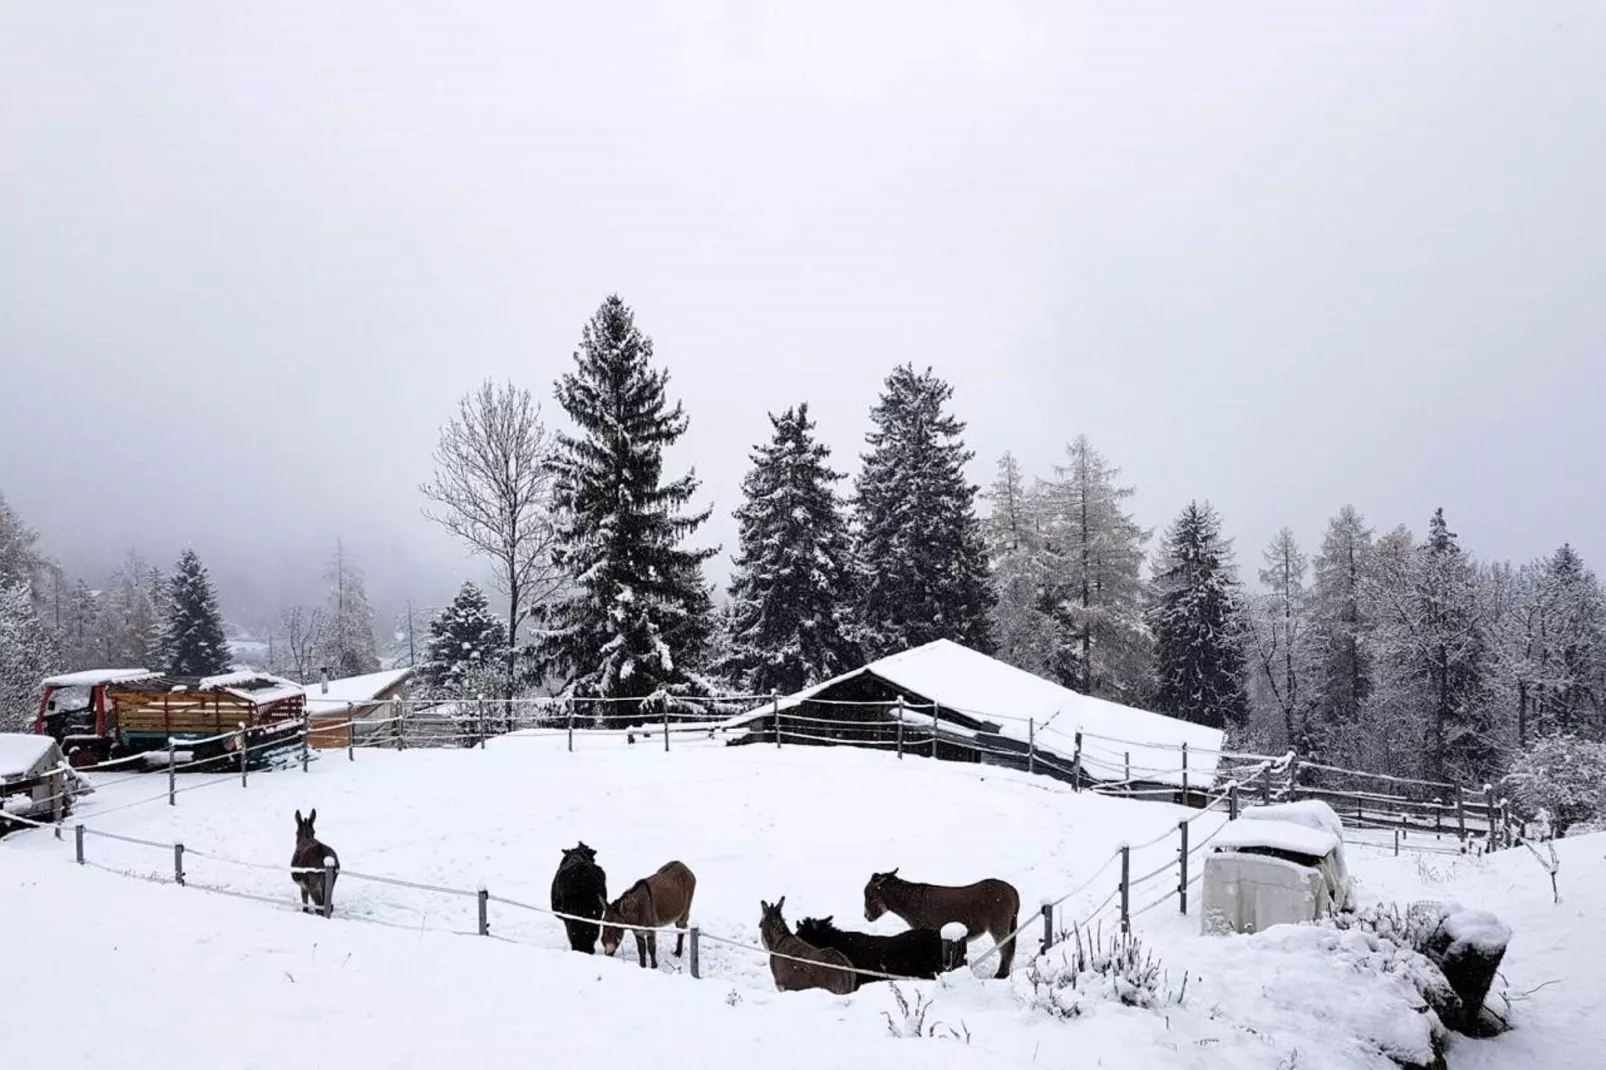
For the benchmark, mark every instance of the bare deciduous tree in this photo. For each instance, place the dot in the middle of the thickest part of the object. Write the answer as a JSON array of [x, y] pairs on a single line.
[[493, 489], [303, 635]]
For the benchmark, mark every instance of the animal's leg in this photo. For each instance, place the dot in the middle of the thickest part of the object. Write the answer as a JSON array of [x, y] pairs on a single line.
[[1006, 954], [641, 949], [652, 948], [305, 898], [680, 937]]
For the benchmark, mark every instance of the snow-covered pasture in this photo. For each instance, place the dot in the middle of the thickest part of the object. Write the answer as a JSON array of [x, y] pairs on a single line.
[[753, 823]]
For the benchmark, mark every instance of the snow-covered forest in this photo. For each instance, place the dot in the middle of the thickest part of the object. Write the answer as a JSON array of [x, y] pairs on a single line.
[[1389, 649]]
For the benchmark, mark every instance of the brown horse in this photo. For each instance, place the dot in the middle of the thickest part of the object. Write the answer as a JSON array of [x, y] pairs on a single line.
[[661, 899], [990, 906], [825, 969], [307, 866]]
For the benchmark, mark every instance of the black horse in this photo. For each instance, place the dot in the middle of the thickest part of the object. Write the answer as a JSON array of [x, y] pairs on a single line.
[[915, 953], [580, 888]]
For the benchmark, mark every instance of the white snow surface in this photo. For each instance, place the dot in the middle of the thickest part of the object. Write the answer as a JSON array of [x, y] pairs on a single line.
[[20, 752], [1478, 929], [351, 690], [961, 679], [398, 978], [91, 677], [1279, 835]]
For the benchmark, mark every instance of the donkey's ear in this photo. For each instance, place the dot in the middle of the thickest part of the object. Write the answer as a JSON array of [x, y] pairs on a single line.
[[892, 873], [781, 902], [299, 819], [312, 816], [827, 919]]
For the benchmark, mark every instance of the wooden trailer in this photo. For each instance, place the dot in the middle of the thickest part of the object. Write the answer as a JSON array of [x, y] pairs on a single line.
[[204, 715]]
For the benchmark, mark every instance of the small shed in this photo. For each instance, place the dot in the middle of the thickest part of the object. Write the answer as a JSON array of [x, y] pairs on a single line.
[[1276, 865], [35, 779], [333, 705]]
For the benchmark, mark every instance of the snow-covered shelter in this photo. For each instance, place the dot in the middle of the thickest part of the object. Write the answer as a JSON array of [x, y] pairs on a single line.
[[334, 705], [35, 781], [962, 705], [1276, 865]]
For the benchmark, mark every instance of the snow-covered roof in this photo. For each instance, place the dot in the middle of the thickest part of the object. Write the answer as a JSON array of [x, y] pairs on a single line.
[[966, 681], [21, 753], [251, 685], [1290, 836], [91, 677], [353, 689]]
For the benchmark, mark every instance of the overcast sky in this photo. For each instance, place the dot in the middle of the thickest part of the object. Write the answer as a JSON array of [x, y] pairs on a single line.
[[1281, 256]]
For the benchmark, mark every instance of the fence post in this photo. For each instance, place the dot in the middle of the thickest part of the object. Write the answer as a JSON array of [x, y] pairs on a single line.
[[933, 731], [1396, 843], [485, 912], [172, 773], [1488, 803], [1076, 764], [691, 961], [1128, 758], [1461, 814], [1182, 885], [306, 741], [1232, 801], [666, 725], [899, 708], [775, 708], [571, 731], [78, 842], [479, 706], [1293, 776], [351, 735], [1265, 785], [1184, 774], [400, 721], [1126, 889], [243, 748], [1031, 745], [178, 863], [1048, 926]]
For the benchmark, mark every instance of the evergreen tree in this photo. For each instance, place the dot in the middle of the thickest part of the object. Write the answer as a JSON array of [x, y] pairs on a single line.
[[20, 563], [1574, 636], [637, 617], [27, 655], [347, 635], [1198, 624], [1097, 593], [792, 588], [192, 636], [129, 619], [919, 541], [1286, 661], [160, 593], [465, 654], [1338, 632], [1023, 630]]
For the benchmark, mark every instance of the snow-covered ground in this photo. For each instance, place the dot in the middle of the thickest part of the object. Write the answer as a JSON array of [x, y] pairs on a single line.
[[144, 973]]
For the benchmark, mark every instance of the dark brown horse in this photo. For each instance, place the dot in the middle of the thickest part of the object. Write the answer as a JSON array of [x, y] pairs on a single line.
[[661, 899], [990, 906], [823, 968], [307, 866]]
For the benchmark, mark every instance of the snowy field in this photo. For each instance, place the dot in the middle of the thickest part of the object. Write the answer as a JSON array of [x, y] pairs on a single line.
[[177, 976]]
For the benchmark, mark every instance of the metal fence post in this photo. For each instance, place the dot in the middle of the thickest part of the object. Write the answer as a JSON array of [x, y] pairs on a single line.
[[1126, 888], [178, 863], [1031, 750], [1396, 843], [1048, 927], [485, 912], [934, 731], [1128, 757], [571, 731], [399, 719], [899, 708], [172, 773], [691, 961], [243, 748], [1182, 885], [666, 725], [78, 842], [351, 736], [1232, 801], [775, 708], [1076, 763], [1184, 774]]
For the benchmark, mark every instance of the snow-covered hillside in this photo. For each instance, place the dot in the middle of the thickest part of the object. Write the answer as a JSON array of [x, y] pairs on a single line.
[[753, 823]]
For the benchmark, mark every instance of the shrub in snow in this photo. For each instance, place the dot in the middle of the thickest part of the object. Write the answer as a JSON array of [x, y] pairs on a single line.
[[1564, 778], [1084, 969], [910, 1019]]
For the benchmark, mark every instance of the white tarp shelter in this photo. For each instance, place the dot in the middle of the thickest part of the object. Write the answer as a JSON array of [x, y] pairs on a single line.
[[34, 775], [1275, 865]]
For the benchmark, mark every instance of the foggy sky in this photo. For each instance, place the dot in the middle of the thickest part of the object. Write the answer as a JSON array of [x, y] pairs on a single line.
[[1283, 257]]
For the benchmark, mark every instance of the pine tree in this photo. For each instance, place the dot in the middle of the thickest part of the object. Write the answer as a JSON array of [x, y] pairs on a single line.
[[1286, 661], [1198, 624], [20, 563], [918, 538], [1574, 637], [792, 587], [638, 616], [129, 617], [348, 647], [465, 654], [27, 655], [192, 635], [1024, 632], [1338, 632], [1097, 593]]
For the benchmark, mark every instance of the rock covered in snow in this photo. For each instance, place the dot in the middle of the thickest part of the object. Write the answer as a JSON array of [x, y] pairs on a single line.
[[1468, 946]]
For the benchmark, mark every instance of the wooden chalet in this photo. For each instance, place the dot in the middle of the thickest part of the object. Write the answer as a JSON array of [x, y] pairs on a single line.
[[946, 699], [333, 706]]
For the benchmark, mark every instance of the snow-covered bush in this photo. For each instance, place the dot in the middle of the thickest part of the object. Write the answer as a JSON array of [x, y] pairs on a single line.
[[1562, 776], [910, 1021], [1085, 969]]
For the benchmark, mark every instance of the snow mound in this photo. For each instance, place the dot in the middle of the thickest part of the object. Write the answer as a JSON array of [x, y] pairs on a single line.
[[1476, 929]]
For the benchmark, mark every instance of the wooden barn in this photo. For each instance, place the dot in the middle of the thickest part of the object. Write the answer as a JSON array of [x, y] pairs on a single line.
[[947, 700], [333, 705]]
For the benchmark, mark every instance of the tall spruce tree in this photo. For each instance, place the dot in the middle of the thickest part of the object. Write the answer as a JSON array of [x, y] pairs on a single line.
[[1198, 624], [1447, 650], [918, 538], [1023, 630], [465, 654], [1096, 590], [637, 617], [192, 638], [1573, 634], [27, 654], [792, 589]]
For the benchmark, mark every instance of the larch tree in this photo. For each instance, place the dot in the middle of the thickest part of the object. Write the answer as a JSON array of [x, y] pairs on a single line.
[[301, 642], [792, 589], [636, 617], [1024, 632], [1096, 592], [348, 647], [918, 539], [493, 490], [1286, 661], [1339, 631], [466, 650], [1198, 624], [192, 640]]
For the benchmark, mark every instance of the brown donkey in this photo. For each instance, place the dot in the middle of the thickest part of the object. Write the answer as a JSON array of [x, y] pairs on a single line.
[[990, 906], [825, 968], [307, 866], [661, 899]]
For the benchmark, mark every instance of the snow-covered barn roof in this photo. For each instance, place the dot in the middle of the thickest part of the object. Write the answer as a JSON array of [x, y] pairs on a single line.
[[251, 685], [968, 682], [354, 690], [92, 677], [22, 754]]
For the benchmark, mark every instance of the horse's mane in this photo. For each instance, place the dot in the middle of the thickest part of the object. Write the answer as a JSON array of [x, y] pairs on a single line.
[[641, 885]]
